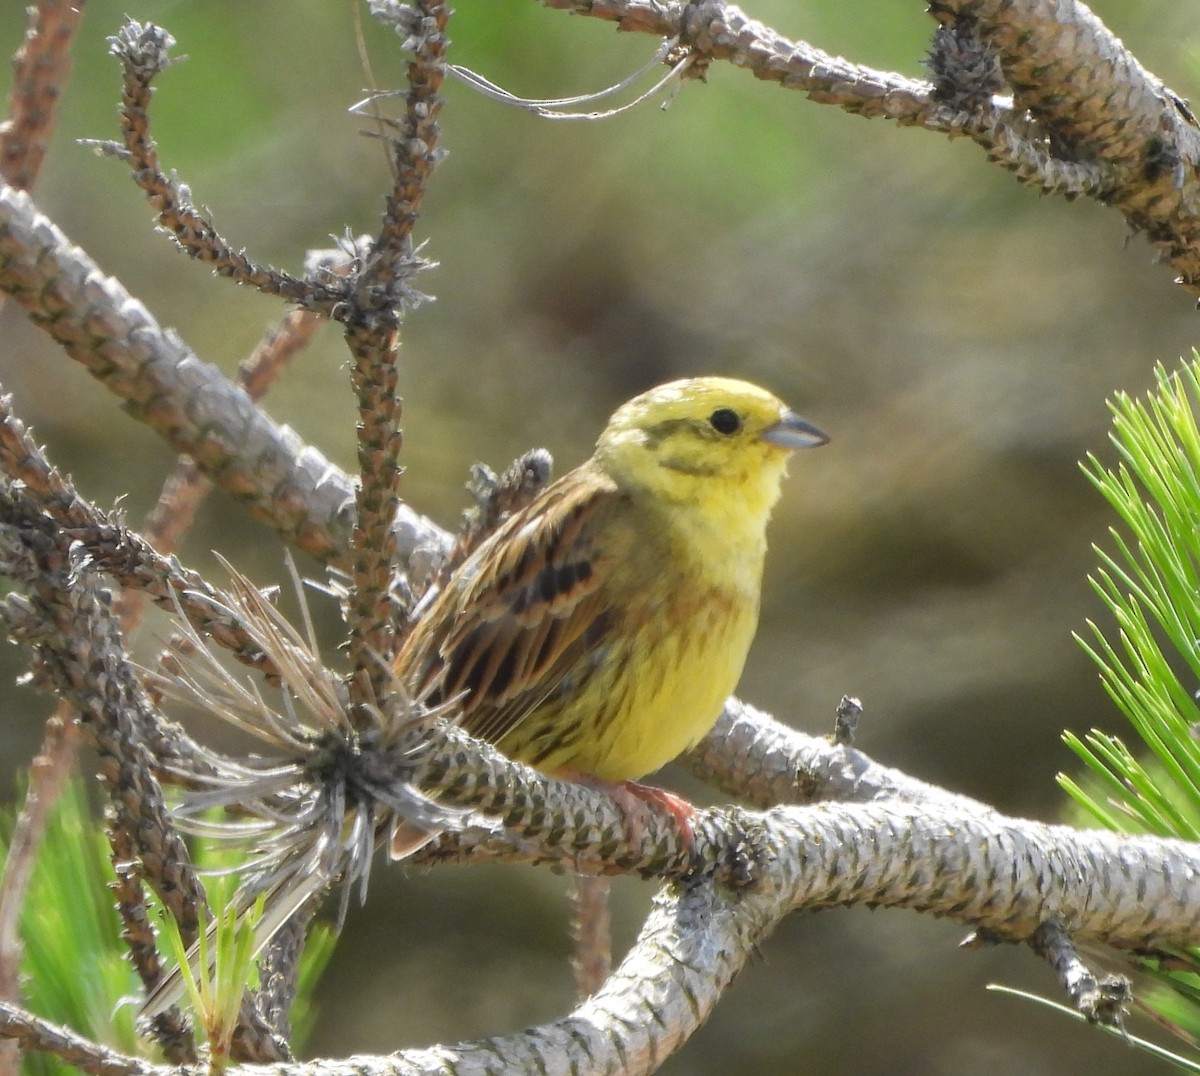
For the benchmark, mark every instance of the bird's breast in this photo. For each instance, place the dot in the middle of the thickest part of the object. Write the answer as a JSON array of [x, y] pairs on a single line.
[[686, 660], [674, 655]]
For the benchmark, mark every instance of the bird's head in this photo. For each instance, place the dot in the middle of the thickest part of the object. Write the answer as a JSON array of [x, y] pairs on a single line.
[[707, 436]]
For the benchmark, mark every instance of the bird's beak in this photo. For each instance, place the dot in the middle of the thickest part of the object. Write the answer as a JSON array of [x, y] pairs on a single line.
[[791, 431]]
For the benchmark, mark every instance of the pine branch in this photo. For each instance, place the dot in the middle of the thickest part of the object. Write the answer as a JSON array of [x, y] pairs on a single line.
[[1084, 116]]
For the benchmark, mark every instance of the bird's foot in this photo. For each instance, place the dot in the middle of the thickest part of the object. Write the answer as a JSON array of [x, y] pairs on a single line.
[[633, 799]]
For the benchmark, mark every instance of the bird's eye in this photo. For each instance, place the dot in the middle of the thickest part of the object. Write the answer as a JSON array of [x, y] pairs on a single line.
[[725, 420]]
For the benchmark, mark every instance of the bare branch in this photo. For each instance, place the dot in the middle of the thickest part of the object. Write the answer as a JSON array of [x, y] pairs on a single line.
[[1009, 875], [121, 551], [1102, 1000], [1081, 83], [717, 31], [67, 620], [144, 51], [591, 932], [34, 1033], [1085, 117], [751, 755], [1004, 875], [382, 292], [42, 66]]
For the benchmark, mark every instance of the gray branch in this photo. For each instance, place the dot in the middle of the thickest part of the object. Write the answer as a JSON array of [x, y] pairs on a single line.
[[1005, 876], [1084, 117]]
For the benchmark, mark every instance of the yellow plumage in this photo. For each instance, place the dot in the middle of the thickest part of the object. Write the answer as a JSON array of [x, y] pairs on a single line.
[[601, 628]]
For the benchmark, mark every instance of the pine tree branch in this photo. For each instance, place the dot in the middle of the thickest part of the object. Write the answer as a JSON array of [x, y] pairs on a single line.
[[191, 404], [1085, 117], [382, 293], [41, 67], [1004, 876]]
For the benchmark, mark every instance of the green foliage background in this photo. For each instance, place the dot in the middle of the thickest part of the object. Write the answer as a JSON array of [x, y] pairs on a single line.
[[957, 335]]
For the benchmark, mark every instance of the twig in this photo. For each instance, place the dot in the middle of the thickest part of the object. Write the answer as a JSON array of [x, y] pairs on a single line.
[[1102, 1000], [66, 618], [34, 1033], [42, 65], [170, 1029], [124, 553], [144, 51], [591, 932], [382, 292], [277, 971], [751, 755]]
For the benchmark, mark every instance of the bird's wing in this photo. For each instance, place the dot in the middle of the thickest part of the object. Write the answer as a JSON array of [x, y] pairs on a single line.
[[521, 616]]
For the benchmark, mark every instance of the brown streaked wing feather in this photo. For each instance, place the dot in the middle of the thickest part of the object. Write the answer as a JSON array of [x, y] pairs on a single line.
[[524, 610]]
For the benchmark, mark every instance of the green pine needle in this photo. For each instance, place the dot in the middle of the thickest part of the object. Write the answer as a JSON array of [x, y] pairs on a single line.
[[74, 971], [223, 969], [1149, 661]]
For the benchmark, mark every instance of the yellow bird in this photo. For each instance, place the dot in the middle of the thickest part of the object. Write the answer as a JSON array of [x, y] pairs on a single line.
[[599, 630]]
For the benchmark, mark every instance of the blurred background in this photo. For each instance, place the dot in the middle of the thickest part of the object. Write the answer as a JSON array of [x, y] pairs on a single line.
[[957, 334]]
